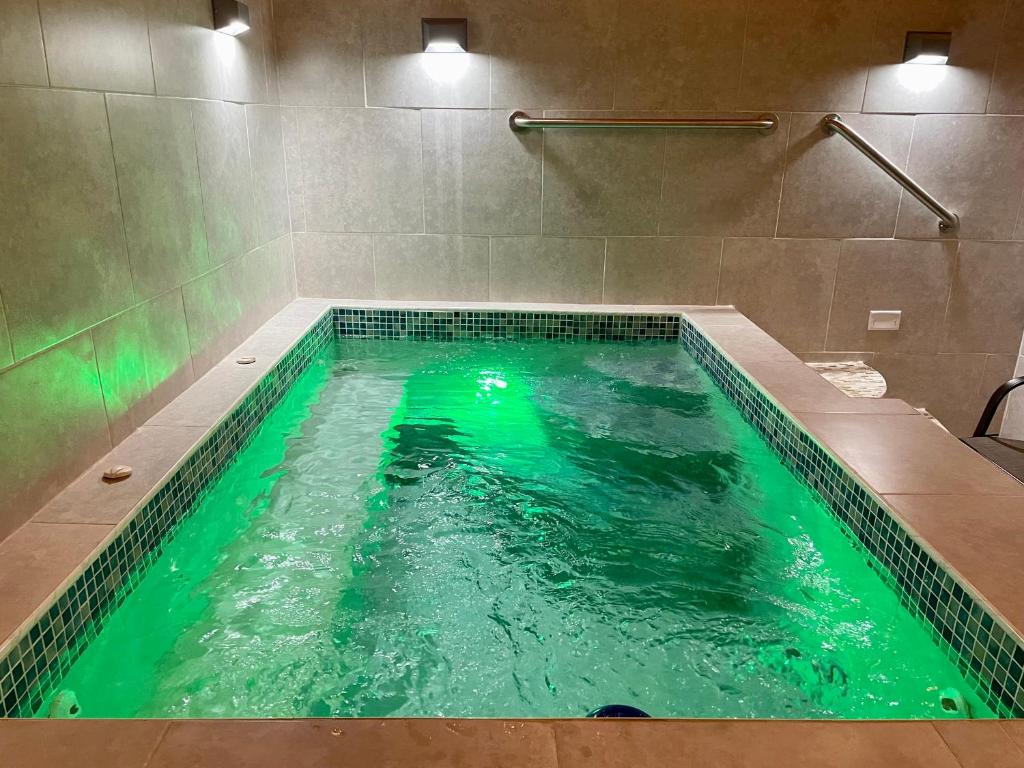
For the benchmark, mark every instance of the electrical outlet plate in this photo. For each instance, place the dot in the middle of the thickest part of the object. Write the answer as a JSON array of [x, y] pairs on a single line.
[[884, 319]]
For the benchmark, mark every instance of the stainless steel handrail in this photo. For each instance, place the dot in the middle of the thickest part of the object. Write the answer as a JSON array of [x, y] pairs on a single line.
[[520, 121], [948, 221]]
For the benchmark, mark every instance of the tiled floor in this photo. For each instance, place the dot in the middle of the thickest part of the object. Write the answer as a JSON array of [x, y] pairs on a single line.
[[497, 743]]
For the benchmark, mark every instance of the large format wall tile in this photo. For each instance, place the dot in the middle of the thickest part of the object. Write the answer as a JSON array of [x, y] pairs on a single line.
[[101, 45], [54, 426], [244, 58], [662, 270], [479, 177], [962, 86], [22, 61], [63, 264], [143, 360], [266, 146], [679, 54], [442, 267], [269, 278], [226, 177], [361, 170], [186, 49], [723, 183], [806, 55], [400, 74], [605, 182], [552, 55], [554, 269], [785, 286], [293, 167], [1007, 94], [157, 173], [319, 52], [909, 275], [831, 189], [334, 266], [6, 354], [973, 165], [986, 310]]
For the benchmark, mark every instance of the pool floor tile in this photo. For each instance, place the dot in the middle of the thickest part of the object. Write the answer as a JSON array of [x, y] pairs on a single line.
[[980, 744], [79, 743], [760, 744], [981, 537], [423, 743], [908, 454]]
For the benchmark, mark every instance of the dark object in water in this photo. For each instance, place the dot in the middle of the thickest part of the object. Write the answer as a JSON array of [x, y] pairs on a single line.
[[618, 710]]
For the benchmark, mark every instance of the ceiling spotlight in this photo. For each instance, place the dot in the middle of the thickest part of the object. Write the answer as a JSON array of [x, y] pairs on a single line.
[[927, 47], [230, 17], [445, 36]]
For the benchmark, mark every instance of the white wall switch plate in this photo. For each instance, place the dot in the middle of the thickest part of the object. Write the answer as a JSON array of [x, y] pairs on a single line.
[[884, 319]]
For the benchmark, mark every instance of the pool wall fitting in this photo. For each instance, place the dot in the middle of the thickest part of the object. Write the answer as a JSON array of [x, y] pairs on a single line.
[[987, 653]]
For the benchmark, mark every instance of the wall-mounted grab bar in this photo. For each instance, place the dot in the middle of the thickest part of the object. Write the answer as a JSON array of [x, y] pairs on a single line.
[[948, 221], [520, 121]]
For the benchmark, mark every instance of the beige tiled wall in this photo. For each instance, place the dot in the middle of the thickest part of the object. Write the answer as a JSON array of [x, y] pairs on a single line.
[[405, 181], [144, 219]]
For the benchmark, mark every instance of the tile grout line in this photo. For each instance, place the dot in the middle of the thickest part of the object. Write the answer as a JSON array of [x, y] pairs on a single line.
[[120, 201], [42, 42], [158, 744], [832, 300], [910, 150], [103, 394], [721, 262], [995, 59], [199, 177], [782, 182]]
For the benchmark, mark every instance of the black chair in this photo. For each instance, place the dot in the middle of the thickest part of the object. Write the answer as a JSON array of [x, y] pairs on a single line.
[[1006, 453]]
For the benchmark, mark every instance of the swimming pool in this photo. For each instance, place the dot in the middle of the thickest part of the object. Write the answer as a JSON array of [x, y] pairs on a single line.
[[509, 528]]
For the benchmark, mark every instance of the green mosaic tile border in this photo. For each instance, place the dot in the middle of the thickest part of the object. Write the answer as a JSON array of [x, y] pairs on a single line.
[[476, 324], [985, 651], [46, 652]]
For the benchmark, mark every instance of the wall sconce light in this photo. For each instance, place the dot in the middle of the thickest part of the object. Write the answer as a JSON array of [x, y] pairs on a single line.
[[445, 36], [927, 47], [230, 17]]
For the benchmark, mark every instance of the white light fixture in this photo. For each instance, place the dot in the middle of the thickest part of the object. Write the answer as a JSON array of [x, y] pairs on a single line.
[[445, 36], [927, 47], [230, 17]]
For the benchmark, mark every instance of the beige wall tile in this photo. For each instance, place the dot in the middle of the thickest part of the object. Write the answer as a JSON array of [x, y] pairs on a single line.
[[186, 50], [662, 270], [101, 45], [22, 61], [361, 170], [721, 183], [143, 360], [158, 176], [974, 165], [831, 189], [947, 385], [266, 148], [602, 182], [245, 58], [553, 269], [399, 74], [679, 54], [806, 55], [334, 266], [785, 286], [962, 86], [226, 177], [479, 177], [268, 276], [6, 353], [552, 55], [986, 308], [1007, 95], [319, 52], [63, 264], [909, 275], [218, 315], [293, 169], [430, 267], [54, 426]]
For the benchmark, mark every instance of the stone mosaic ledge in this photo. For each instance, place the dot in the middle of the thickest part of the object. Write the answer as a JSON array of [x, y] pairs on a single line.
[[115, 534]]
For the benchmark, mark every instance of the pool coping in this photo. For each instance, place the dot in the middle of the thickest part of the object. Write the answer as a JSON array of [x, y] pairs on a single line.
[[976, 499]]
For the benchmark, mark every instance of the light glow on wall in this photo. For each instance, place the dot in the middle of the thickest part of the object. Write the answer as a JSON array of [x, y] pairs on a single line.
[[447, 68], [918, 78]]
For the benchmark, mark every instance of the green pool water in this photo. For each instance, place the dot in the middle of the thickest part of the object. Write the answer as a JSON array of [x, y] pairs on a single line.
[[510, 529]]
